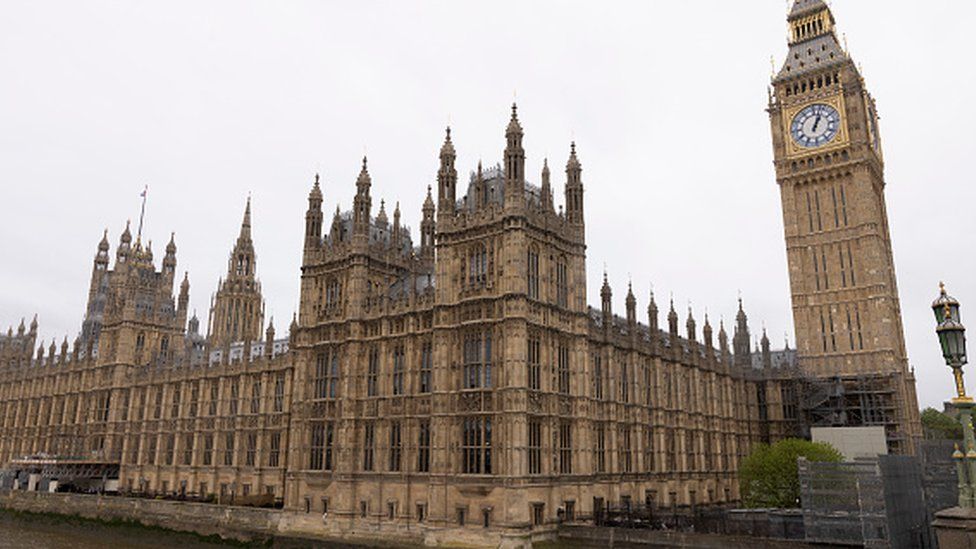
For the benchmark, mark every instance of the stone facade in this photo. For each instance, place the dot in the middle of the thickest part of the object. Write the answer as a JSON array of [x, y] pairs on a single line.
[[830, 169], [462, 383]]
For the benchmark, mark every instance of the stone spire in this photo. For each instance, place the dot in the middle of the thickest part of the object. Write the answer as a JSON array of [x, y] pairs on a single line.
[[631, 306], [122, 253], [427, 228], [740, 339], [546, 192], [169, 260], [707, 333], [514, 161], [447, 178], [690, 325], [767, 357], [363, 203], [723, 340], [606, 296], [397, 233], [183, 302], [673, 323], [652, 313], [313, 216], [574, 187]]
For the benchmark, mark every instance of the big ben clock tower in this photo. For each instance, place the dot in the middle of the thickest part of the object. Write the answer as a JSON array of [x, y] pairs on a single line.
[[830, 170]]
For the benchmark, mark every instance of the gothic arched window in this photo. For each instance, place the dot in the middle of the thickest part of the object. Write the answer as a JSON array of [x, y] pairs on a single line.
[[533, 272]]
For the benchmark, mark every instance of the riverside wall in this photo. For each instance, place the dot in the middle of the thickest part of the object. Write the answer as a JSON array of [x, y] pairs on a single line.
[[249, 524]]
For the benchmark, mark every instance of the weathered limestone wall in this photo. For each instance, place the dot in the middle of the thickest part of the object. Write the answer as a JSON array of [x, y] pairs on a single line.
[[240, 523], [250, 524]]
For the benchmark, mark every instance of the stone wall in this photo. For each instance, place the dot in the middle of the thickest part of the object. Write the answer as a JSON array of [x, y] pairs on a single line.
[[239, 523]]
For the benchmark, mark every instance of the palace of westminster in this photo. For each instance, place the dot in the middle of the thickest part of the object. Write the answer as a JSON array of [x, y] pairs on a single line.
[[464, 381]]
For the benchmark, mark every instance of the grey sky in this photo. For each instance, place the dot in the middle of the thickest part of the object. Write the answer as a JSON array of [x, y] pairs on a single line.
[[207, 101]]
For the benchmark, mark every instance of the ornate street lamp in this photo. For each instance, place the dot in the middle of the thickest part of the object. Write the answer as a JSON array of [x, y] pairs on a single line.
[[952, 338]]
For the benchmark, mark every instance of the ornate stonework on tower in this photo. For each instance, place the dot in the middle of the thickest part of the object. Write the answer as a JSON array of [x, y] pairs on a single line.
[[237, 309], [830, 169]]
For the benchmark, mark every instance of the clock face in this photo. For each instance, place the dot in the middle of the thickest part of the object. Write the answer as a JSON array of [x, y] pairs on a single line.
[[815, 126]]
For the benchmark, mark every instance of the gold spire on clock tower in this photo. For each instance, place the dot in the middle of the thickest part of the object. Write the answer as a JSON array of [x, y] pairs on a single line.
[[830, 171]]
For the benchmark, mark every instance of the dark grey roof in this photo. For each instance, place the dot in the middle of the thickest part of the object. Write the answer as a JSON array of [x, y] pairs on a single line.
[[812, 55], [802, 7], [494, 185], [782, 358]]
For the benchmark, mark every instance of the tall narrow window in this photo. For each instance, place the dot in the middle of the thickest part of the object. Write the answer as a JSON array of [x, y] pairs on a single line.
[[274, 449], [250, 449], [194, 397], [562, 283], [597, 376], [229, 449], [256, 396], [234, 395], [816, 201], [850, 264], [850, 328], [648, 383], [396, 446], [373, 371], [321, 380], [823, 263], [534, 368], [170, 446], [823, 331], [816, 268], [426, 367], [398, 370], [833, 196], [214, 400], [279, 393], [368, 446], [329, 440], [334, 374], [860, 338], [535, 446], [188, 449], [423, 447], [565, 448], [175, 412], [208, 449], [477, 360], [626, 451], [476, 446], [601, 448], [563, 368], [316, 450], [833, 335], [648, 450], [624, 381], [843, 204], [533, 273], [810, 210], [843, 269]]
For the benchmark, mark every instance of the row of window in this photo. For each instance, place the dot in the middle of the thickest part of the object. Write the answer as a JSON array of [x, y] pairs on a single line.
[[208, 452], [149, 403], [561, 277], [476, 447], [829, 328]]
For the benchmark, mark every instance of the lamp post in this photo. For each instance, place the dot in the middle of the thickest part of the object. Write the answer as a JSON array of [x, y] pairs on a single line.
[[952, 338]]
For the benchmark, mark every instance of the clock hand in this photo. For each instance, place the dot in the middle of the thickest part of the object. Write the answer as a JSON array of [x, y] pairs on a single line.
[[816, 123]]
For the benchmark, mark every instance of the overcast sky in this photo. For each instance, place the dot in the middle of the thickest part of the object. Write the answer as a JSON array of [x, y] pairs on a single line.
[[208, 101]]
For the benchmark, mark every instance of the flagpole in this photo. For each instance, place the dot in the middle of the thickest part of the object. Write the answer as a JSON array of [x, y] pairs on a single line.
[[142, 213]]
